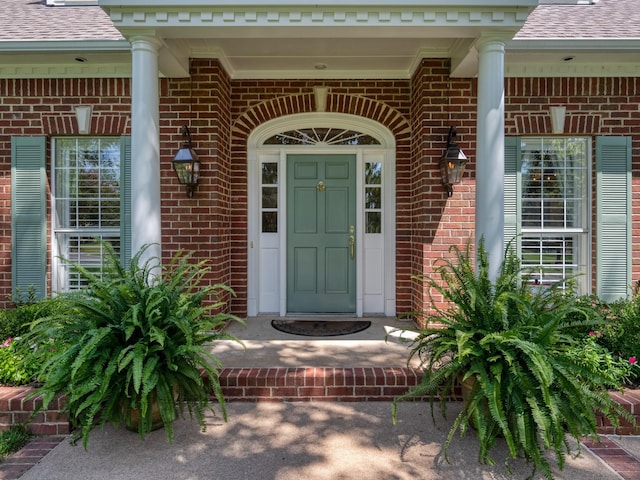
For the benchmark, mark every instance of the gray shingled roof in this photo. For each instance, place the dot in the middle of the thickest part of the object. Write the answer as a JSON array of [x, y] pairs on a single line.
[[33, 20], [605, 19]]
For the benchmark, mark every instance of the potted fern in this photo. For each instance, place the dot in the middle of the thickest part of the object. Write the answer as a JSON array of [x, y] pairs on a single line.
[[133, 341], [511, 344]]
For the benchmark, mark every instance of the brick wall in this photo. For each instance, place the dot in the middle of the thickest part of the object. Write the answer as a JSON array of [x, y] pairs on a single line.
[[438, 102], [16, 408], [202, 223], [46, 107], [221, 113]]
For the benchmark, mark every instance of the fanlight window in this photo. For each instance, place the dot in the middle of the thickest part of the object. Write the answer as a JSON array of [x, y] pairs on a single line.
[[321, 136]]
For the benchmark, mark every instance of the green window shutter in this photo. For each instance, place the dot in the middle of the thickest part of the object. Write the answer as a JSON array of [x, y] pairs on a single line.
[[511, 197], [28, 216], [613, 210], [125, 200]]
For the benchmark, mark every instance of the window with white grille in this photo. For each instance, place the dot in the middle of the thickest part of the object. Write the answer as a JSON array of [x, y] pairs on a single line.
[[86, 204], [555, 208]]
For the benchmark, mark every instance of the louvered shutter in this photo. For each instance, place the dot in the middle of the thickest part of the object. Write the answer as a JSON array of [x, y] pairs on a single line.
[[125, 200], [28, 216], [511, 197], [613, 210]]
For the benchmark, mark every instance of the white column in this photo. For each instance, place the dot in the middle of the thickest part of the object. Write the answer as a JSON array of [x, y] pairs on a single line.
[[145, 148], [490, 149]]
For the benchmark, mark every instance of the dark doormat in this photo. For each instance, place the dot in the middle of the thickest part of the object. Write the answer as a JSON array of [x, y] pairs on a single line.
[[320, 328]]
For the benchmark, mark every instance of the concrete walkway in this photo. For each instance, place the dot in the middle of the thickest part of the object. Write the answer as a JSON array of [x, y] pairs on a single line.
[[311, 441]]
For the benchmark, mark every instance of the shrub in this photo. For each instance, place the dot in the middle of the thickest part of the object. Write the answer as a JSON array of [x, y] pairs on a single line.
[[512, 344], [621, 334], [17, 367], [595, 357], [136, 337], [15, 322], [21, 359], [13, 440]]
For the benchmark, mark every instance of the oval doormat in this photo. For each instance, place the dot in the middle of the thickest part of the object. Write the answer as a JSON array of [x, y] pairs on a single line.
[[320, 328]]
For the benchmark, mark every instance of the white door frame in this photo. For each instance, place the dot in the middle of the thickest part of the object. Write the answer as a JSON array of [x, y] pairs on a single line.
[[267, 252]]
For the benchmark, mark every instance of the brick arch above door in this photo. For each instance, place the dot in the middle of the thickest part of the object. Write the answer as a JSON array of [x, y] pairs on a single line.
[[359, 106]]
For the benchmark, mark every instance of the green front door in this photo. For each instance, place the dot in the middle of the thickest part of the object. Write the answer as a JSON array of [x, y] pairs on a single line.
[[321, 234]]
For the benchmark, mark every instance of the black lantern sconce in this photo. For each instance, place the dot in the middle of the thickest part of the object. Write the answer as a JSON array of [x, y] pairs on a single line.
[[452, 163], [186, 163]]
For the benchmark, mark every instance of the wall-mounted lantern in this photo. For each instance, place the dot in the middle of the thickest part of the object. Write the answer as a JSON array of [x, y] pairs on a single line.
[[187, 164], [452, 163]]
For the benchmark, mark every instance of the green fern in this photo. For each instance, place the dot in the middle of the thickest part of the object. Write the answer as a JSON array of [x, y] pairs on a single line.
[[515, 342], [134, 338]]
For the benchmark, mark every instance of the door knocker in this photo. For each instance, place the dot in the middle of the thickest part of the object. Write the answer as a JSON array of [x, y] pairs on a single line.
[[320, 186]]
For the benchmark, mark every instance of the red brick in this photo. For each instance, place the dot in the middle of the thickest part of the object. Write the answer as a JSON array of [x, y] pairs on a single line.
[[43, 429], [311, 392]]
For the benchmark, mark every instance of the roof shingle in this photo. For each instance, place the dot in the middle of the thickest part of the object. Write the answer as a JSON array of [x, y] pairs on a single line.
[[33, 20], [612, 19]]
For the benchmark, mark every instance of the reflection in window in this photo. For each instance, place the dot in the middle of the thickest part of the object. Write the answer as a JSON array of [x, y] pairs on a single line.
[[549, 259], [269, 222], [554, 207], [373, 197], [374, 222], [322, 136], [269, 197], [269, 173], [86, 192], [269, 204], [373, 173]]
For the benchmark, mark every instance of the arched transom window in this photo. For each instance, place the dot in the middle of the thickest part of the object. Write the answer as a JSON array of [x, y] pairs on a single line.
[[321, 136]]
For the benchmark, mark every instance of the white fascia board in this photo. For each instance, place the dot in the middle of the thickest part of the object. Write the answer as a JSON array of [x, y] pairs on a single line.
[[65, 71], [43, 46], [184, 16], [71, 3], [338, 3], [553, 44]]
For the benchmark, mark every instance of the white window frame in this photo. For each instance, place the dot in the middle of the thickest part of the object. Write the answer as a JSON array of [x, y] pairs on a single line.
[[59, 231], [581, 233]]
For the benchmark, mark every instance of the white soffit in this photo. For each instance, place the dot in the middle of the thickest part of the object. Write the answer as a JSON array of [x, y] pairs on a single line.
[[592, 57]]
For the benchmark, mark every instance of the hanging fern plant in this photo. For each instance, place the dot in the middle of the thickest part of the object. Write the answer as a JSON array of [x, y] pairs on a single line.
[[136, 339], [513, 342]]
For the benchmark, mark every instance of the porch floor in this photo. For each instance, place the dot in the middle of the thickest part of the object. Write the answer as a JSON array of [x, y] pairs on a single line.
[[273, 366], [386, 343]]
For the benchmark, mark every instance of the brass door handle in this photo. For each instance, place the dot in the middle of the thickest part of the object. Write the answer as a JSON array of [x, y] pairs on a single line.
[[352, 246]]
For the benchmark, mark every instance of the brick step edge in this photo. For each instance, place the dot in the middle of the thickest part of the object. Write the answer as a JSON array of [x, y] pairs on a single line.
[[357, 384], [16, 408], [630, 400], [364, 384]]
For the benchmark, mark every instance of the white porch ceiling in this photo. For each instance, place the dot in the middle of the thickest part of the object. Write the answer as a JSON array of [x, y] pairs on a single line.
[[319, 39]]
